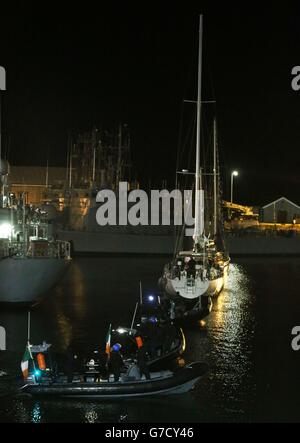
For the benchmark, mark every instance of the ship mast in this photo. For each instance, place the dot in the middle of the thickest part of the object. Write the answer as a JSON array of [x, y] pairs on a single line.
[[2, 88], [199, 192], [118, 175]]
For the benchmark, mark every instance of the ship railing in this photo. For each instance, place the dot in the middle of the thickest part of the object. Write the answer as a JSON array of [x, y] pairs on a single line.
[[4, 248], [14, 249]]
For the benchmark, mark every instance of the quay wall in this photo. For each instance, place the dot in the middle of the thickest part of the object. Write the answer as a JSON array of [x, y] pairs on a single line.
[[85, 242]]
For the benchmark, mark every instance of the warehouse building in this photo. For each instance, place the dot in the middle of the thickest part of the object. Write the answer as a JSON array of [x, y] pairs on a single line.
[[281, 211]]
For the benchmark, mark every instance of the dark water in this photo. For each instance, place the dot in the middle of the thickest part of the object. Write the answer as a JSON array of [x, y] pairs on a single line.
[[254, 374]]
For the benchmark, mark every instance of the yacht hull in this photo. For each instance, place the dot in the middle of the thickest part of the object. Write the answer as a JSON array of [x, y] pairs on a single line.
[[172, 287]]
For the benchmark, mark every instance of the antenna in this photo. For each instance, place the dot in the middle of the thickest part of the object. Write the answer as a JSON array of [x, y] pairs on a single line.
[[134, 315], [47, 170], [141, 293], [70, 166], [28, 327]]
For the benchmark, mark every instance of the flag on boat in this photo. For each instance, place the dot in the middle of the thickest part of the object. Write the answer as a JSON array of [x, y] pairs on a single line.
[[108, 340], [25, 362]]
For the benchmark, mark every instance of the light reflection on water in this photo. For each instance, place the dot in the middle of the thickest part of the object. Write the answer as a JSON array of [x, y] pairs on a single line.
[[226, 343], [179, 408], [91, 296], [36, 413]]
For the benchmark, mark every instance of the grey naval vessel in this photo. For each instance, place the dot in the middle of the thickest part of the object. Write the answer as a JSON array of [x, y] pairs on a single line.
[[31, 260]]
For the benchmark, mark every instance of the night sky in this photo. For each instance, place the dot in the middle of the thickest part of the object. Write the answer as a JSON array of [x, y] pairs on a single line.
[[71, 68]]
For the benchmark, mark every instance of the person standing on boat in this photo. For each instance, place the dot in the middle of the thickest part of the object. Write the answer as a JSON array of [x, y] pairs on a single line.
[[191, 267], [141, 357], [115, 362], [103, 365]]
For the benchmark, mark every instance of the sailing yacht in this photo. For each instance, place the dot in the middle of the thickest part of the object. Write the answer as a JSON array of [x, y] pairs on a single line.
[[194, 276]]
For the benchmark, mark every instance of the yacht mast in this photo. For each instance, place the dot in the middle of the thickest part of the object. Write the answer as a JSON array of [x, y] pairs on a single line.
[[199, 192], [215, 178], [70, 167], [47, 171]]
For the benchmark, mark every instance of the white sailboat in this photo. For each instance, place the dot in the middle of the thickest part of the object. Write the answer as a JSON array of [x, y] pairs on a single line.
[[196, 275]]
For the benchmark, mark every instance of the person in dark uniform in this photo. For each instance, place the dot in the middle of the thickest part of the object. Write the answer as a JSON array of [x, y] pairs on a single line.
[[141, 357], [152, 336], [191, 267], [115, 362], [103, 365]]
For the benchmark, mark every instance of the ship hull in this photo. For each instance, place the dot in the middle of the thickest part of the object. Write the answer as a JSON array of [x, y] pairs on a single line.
[[120, 241], [26, 280]]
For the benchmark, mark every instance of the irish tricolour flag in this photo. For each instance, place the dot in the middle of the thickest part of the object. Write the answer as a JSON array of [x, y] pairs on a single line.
[[25, 362]]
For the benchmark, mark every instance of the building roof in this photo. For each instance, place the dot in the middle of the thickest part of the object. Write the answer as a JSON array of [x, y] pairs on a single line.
[[36, 175], [278, 200]]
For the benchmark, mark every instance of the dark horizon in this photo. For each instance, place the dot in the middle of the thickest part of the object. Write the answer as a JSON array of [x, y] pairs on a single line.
[[71, 69]]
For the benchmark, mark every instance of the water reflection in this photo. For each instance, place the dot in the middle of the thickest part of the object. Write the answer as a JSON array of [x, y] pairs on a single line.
[[90, 296], [36, 413], [72, 411], [226, 343], [76, 313], [91, 416]]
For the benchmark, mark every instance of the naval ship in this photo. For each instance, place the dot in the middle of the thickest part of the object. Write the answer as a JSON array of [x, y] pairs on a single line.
[[31, 261], [100, 159]]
